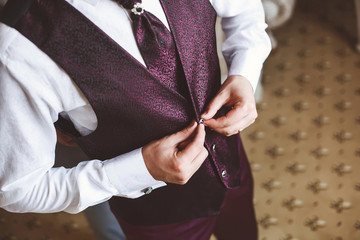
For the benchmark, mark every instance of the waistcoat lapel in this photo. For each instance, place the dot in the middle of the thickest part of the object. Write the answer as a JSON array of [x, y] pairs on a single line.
[[190, 24]]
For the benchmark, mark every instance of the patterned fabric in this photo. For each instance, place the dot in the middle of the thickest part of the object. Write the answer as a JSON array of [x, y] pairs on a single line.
[[198, 229], [156, 44]]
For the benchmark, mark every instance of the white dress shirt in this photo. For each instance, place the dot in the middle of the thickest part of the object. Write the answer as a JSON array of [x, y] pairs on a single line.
[[34, 90]]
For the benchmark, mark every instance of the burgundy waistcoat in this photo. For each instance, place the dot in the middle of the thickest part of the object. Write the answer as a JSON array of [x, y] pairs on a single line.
[[134, 108]]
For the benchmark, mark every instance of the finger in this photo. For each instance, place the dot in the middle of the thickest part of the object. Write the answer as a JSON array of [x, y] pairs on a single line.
[[236, 127], [231, 118], [182, 135], [216, 103], [199, 159], [195, 146], [192, 167], [183, 144]]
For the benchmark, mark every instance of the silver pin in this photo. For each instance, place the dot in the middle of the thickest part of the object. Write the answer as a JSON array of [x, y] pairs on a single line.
[[137, 9]]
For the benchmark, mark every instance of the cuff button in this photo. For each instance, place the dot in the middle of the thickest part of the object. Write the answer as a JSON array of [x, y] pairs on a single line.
[[148, 190]]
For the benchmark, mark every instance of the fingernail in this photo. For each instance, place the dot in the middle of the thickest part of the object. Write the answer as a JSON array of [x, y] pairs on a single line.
[[193, 123], [204, 114]]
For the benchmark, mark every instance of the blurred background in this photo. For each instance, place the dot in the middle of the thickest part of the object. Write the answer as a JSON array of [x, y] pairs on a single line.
[[304, 147]]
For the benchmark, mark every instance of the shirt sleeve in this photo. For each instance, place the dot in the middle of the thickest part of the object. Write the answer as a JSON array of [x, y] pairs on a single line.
[[247, 45], [33, 91]]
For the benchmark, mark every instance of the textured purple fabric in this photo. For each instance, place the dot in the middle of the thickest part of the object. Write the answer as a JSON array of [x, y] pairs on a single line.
[[198, 229], [157, 47], [237, 216], [128, 4], [134, 106]]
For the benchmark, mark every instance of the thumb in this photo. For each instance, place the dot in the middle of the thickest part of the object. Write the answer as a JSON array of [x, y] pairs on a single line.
[[216, 103], [182, 135]]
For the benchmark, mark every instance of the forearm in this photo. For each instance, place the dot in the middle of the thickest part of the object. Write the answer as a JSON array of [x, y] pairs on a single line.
[[60, 189], [72, 190], [29, 183]]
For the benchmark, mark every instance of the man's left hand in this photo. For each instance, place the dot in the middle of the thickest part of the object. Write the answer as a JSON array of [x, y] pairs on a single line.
[[64, 139], [237, 93]]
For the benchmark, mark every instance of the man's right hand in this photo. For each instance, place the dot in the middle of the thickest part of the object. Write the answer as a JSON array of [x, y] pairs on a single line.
[[175, 158]]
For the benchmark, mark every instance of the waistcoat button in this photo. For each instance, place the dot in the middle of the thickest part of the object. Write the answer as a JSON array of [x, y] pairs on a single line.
[[213, 147], [223, 173]]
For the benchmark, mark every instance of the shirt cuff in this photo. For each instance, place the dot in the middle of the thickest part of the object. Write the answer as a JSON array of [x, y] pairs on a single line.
[[129, 175], [247, 65]]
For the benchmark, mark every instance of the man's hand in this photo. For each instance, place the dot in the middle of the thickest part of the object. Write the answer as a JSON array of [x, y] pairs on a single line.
[[236, 92], [175, 158], [64, 139]]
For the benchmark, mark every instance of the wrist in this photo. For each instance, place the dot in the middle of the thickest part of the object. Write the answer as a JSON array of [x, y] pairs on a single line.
[[241, 81]]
